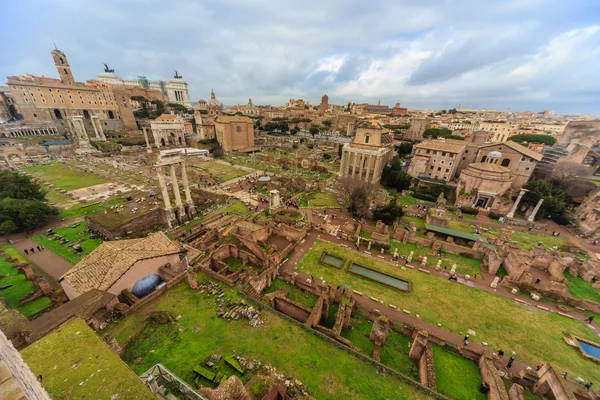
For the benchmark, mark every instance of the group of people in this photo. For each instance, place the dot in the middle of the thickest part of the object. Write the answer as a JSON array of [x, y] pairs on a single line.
[[32, 250]]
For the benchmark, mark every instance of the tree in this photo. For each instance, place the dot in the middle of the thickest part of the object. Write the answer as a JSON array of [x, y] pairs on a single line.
[[283, 127], [566, 170], [435, 133], [389, 213], [22, 203], [393, 176], [556, 200], [294, 130], [160, 108], [314, 130], [359, 202], [327, 123], [534, 138], [404, 148], [216, 150], [271, 126]]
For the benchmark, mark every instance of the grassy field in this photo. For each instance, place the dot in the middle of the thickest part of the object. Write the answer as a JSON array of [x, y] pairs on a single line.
[[21, 286], [64, 177], [464, 265], [582, 289], [534, 335], [325, 199], [76, 364], [529, 240], [406, 201], [456, 376], [394, 354], [222, 172], [326, 370], [79, 210], [419, 222], [293, 293], [74, 234]]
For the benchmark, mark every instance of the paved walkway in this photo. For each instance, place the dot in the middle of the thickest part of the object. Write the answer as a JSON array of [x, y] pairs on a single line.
[[400, 316], [53, 264]]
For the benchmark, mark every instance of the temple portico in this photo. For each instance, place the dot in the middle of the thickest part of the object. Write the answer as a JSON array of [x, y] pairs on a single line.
[[181, 211]]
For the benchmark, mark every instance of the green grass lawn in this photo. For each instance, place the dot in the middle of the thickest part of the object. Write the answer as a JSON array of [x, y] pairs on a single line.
[[294, 293], [456, 376], [79, 210], [581, 289], [534, 335], [21, 286], [326, 370], [419, 222], [325, 199], [529, 240], [394, 354], [75, 363], [358, 333], [222, 172], [74, 235], [406, 201], [64, 177]]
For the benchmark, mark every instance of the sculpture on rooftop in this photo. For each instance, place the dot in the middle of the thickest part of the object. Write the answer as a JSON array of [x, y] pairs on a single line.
[[106, 69], [177, 76]]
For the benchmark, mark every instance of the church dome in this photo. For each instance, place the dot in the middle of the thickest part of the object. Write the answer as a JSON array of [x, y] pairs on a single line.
[[201, 101], [494, 154]]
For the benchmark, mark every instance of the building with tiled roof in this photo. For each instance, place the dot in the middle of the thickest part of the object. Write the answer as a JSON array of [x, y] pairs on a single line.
[[235, 133], [436, 159], [117, 265]]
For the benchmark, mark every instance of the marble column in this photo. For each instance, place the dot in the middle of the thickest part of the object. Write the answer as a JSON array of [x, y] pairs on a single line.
[[354, 162], [376, 170], [163, 187], [535, 210], [178, 202], [148, 147], [100, 129], [186, 184], [512, 211], [93, 121]]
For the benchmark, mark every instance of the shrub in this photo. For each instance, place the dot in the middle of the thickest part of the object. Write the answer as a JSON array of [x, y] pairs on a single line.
[[469, 210], [495, 215]]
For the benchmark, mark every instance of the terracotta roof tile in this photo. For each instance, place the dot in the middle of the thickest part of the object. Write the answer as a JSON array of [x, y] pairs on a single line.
[[108, 262]]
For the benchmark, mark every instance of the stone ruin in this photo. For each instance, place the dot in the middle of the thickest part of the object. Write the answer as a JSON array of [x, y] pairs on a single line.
[[381, 234], [379, 332]]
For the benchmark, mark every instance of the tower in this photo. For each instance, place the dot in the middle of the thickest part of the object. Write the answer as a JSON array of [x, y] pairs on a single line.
[[323, 106], [62, 66]]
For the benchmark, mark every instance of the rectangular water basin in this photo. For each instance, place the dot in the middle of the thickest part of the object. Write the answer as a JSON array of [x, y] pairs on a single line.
[[379, 277], [332, 261], [590, 349]]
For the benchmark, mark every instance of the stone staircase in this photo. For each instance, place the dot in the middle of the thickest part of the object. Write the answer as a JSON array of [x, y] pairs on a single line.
[[249, 291]]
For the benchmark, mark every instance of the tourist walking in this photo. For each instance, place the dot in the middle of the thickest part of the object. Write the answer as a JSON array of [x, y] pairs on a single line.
[[511, 360], [501, 353], [466, 340], [32, 250], [590, 319], [564, 374], [26, 251], [588, 385]]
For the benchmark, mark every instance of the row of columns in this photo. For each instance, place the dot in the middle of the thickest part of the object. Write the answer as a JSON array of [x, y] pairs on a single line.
[[512, 211], [362, 164], [30, 131], [179, 206]]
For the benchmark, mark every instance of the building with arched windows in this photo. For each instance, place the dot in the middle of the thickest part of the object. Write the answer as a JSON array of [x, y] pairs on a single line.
[[52, 103]]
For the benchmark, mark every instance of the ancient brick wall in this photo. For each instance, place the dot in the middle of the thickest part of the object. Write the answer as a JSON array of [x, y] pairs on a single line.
[[426, 368], [292, 309], [491, 376], [146, 222]]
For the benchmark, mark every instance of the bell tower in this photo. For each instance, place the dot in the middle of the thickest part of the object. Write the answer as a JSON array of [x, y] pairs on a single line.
[[62, 66]]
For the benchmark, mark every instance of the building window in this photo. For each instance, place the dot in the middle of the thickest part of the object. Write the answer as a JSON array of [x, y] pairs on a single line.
[[39, 90], [428, 151], [61, 60], [34, 115], [111, 115], [367, 139], [57, 114], [447, 170], [431, 167], [443, 154], [65, 71], [439, 168], [238, 129], [505, 162]]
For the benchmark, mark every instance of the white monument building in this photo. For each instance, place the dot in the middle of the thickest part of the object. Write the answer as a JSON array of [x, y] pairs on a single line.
[[175, 90]]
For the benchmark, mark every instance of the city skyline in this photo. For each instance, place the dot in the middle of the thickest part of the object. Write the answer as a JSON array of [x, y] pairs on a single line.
[[522, 55]]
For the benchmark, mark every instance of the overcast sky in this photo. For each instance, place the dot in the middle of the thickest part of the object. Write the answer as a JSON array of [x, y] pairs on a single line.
[[517, 54]]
